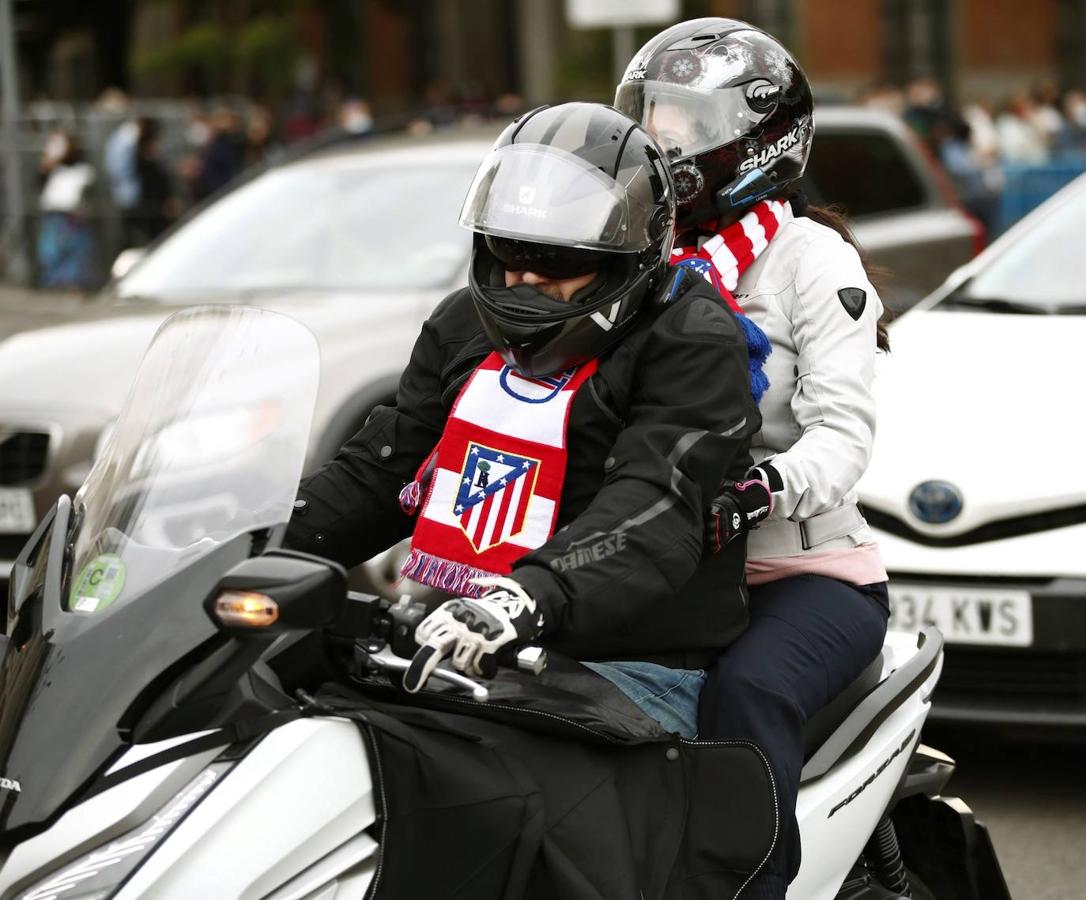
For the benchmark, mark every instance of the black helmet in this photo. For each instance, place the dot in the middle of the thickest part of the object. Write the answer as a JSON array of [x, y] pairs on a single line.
[[730, 107], [568, 190]]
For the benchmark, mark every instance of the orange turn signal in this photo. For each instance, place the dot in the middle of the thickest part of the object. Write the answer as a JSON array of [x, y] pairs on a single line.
[[246, 609]]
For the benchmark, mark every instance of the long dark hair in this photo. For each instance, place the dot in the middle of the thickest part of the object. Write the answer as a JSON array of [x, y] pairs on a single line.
[[834, 217]]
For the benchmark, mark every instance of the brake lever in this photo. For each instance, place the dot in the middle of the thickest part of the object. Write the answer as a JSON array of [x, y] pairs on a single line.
[[387, 661], [530, 659]]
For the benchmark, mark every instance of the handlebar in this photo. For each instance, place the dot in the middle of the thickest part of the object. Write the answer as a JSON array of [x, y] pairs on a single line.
[[383, 639]]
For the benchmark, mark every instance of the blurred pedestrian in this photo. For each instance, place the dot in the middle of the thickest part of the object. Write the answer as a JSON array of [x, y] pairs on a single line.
[[355, 116], [1071, 142], [158, 204], [223, 155], [196, 135], [66, 247], [926, 110], [441, 108], [260, 140], [978, 115], [303, 113], [119, 160], [884, 95], [1021, 141], [967, 172], [1046, 114], [509, 105]]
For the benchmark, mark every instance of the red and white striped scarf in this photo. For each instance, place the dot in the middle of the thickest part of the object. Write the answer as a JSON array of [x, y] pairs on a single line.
[[726, 255], [495, 477]]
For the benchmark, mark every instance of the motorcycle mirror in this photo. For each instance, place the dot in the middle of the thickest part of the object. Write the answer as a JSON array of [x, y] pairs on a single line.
[[280, 591]]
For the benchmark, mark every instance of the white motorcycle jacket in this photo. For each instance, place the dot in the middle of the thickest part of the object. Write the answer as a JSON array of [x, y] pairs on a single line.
[[809, 293]]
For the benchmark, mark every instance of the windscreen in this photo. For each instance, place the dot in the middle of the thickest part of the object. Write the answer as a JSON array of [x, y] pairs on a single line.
[[1045, 266], [210, 444]]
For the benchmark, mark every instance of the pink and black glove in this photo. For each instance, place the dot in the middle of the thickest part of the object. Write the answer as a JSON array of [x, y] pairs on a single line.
[[741, 506]]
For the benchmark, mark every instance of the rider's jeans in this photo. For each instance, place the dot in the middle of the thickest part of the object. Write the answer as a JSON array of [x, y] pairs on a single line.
[[668, 695], [809, 638]]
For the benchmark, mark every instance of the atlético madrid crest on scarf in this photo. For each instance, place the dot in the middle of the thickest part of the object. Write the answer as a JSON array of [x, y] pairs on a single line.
[[494, 479], [496, 489]]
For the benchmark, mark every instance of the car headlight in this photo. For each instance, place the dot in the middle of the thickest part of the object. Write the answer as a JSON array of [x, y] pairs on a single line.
[[204, 440], [97, 874]]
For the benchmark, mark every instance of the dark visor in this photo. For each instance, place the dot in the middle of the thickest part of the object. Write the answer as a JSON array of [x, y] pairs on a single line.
[[548, 260]]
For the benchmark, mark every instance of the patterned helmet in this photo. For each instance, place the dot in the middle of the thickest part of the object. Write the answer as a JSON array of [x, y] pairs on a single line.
[[730, 107]]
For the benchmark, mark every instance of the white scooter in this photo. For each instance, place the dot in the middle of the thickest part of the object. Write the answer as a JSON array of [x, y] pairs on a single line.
[[149, 748]]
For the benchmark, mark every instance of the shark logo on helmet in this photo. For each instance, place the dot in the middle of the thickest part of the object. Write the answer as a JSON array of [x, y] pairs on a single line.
[[770, 153]]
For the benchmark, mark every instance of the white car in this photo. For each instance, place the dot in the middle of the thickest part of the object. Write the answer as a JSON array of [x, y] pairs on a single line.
[[977, 489], [357, 242]]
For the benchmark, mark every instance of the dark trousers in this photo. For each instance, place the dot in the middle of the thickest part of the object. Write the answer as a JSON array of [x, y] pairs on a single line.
[[809, 637]]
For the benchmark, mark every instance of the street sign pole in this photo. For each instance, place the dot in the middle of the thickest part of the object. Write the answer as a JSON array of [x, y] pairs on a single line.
[[621, 16], [12, 240], [623, 47]]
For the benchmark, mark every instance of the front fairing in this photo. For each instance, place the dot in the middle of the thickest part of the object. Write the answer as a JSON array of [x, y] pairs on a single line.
[[112, 605]]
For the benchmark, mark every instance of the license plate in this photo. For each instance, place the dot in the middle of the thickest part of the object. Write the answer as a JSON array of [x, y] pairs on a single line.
[[964, 616], [16, 511]]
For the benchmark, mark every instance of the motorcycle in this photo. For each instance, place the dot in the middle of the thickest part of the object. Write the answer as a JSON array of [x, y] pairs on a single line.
[[187, 709]]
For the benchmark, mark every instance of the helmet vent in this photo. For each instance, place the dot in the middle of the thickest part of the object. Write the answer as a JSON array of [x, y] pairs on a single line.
[[518, 310]]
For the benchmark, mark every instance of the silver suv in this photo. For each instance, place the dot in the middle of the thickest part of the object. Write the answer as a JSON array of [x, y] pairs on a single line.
[[335, 241], [902, 208]]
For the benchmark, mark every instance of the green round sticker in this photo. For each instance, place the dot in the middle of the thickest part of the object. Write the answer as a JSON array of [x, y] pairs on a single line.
[[99, 584]]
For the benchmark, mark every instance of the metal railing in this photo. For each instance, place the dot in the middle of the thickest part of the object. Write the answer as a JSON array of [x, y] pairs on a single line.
[[1027, 187], [92, 126]]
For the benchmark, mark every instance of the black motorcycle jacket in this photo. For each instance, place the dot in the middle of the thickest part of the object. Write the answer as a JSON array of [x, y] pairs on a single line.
[[667, 416]]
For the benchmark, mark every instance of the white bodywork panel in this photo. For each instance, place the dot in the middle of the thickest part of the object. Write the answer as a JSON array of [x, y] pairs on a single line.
[[103, 817], [289, 820], [302, 795], [832, 843]]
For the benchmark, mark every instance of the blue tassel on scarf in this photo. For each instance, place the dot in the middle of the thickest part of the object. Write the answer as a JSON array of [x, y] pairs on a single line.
[[758, 350]]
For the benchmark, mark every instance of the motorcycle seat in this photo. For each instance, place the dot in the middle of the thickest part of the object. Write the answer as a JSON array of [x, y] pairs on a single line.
[[823, 723]]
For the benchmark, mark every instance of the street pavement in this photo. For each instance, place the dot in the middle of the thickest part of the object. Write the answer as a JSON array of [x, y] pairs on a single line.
[[1032, 797], [22, 309], [15, 299]]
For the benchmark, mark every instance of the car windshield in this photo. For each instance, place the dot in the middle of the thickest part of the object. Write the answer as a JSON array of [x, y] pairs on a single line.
[[1043, 270], [210, 445], [335, 223]]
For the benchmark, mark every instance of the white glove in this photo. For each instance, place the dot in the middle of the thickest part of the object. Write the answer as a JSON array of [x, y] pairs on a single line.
[[471, 630]]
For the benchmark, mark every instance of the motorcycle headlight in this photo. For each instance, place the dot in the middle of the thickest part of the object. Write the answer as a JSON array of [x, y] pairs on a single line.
[[97, 874]]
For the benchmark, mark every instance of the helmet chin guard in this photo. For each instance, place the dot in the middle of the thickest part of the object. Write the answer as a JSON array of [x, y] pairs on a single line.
[[538, 335]]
